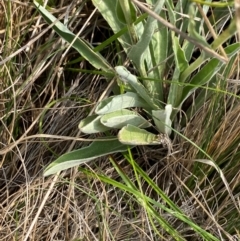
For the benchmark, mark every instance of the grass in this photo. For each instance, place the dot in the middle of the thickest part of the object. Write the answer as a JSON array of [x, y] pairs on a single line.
[[145, 193]]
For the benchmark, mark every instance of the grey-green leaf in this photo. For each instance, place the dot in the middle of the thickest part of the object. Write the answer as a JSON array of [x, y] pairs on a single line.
[[121, 118], [92, 124], [86, 154], [82, 47], [137, 52], [119, 102], [132, 80], [162, 119], [132, 135], [175, 92]]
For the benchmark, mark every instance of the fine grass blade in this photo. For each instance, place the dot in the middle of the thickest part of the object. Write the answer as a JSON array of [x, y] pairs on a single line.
[[154, 217], [127, 15], [172, 209], [208, 72]]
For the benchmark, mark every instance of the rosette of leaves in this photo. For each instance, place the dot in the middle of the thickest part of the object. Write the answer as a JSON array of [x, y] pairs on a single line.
[[114, 113], [149, 41]]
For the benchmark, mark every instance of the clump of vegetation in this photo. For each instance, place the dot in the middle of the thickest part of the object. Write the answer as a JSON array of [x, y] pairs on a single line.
[[154, 88]]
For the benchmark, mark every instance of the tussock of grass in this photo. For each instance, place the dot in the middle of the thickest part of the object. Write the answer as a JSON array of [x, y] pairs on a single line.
[[39, 94]]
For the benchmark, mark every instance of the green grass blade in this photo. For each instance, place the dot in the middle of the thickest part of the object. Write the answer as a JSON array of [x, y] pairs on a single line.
[[144, 201], [208, 71], [174, 209], [215, 4]]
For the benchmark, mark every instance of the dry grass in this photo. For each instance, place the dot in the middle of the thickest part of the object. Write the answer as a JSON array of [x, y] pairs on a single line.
[[38, 96]]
